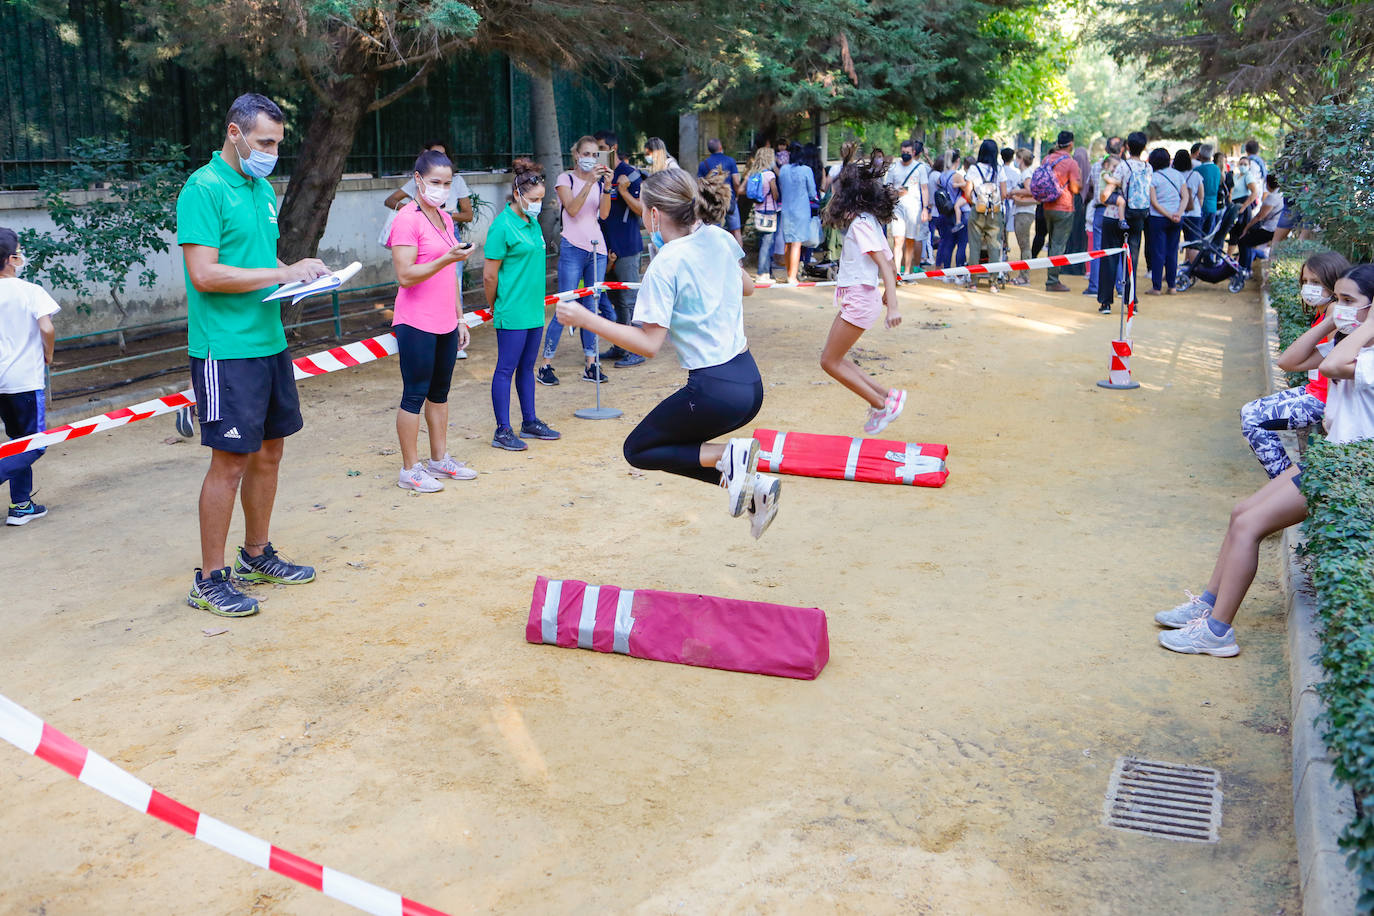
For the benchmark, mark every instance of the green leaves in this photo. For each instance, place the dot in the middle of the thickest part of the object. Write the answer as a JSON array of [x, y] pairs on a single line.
[[1338, 481], [1325, 172], [111, 209]]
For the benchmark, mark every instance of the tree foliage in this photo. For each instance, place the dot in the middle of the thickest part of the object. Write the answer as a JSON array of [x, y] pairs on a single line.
[[1324, 170], [1280, 55], [101, 244], [847, 58]]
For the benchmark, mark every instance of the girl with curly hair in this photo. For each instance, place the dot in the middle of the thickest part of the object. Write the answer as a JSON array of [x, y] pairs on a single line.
[[860, 207]]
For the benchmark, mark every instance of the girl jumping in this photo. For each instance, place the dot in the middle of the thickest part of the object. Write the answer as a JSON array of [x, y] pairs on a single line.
[[860, 207], [693, 293]]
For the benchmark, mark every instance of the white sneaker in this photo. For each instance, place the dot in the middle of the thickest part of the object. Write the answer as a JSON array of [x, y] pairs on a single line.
[[737, 467], [447, 467], [1185, 613], [764, 508], [880, 417], [462, 354], [1197, 638], [418, 479]]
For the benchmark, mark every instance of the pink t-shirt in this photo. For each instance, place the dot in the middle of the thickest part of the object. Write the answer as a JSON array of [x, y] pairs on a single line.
[[432, 305], [583, 229]]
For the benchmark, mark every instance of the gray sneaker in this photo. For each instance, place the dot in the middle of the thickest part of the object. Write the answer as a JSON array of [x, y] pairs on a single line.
[[272, 568], [1197, 638], [764, 509], [1185, 613], [216, 593]]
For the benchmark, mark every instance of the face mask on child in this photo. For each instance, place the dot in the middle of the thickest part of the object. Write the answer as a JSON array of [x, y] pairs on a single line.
[[1314, 294], [18, 261], [1344, 316], [655, 236]]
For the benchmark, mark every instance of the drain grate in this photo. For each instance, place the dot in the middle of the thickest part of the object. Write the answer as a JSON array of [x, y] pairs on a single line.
[[1169, 800]]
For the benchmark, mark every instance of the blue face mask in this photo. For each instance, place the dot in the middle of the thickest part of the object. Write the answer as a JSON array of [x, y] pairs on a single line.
[[656, 238], [532, 207], [257, 163]]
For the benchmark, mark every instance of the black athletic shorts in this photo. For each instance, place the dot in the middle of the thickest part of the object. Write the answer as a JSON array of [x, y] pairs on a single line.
[[242, 402]]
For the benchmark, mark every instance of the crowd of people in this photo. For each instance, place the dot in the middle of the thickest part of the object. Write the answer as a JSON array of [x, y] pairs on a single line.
[[870, 219]]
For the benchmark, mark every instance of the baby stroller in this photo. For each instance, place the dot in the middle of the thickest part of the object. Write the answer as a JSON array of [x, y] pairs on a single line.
[[1212, 264]]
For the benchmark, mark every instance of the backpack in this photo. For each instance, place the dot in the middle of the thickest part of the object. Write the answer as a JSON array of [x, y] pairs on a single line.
[[1137, 192], [754, 188], [1044, 184], [944, 201], [987, 194]]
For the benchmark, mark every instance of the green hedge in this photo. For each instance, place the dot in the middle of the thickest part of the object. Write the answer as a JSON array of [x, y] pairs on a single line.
[[1337, 480]]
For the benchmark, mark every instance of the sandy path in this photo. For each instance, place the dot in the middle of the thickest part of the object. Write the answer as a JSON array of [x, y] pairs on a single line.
[[992, 648]]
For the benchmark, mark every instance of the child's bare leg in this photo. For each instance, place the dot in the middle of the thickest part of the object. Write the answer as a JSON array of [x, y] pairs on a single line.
[[1276, 506], [837, 364]]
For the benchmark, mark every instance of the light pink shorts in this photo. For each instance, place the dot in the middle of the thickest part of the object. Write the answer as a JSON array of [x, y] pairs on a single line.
[[859, 305]]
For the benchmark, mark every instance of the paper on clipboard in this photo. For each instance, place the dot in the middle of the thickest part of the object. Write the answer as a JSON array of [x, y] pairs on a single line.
[[301, 289]]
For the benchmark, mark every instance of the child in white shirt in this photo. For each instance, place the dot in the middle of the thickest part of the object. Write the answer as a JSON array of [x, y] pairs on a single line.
[[860, 207], [26, 345]]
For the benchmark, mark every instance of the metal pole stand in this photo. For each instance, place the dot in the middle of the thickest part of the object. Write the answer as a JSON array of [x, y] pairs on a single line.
[[1119, 363], [598, 412]]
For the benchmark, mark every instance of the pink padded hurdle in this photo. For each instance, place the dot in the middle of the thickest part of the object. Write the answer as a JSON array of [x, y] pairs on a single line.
[[751, 636]]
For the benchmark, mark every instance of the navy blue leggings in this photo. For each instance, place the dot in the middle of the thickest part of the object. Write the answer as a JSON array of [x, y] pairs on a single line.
[[715, 401], [516, 352], [426, 365]]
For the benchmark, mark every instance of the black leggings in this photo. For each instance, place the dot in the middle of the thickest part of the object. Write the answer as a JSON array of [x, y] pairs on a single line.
[[426, 365], [715, 400]]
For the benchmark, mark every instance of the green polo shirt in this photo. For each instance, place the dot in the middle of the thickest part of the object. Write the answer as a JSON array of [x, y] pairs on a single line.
[[220, 208], [518, 244]]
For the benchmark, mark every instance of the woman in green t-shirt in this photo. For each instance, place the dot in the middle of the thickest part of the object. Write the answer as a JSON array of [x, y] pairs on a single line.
[[513, 278]]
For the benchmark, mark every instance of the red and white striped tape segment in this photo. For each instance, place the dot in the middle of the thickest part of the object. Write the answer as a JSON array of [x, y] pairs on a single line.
[[326, 361], [33, 736], [1058, 260]]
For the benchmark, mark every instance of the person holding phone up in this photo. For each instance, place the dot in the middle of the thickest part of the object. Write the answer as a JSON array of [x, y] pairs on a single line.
[[428, 326]]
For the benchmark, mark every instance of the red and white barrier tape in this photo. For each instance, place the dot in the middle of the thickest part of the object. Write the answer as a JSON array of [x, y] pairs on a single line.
[[33, 736], [384, 345], [326, 361], [1059, 260]]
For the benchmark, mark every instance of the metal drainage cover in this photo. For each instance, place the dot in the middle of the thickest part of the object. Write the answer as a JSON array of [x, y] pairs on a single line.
[[1169, 800]]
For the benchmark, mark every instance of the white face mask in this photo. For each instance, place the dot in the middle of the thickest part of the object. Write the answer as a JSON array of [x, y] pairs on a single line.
[[532, 207], [18, 262], [1344, 316], [1314, 294], [586, 163], [434, 195]]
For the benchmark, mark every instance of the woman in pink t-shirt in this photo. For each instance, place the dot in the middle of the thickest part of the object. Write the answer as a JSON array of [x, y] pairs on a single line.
[[584, 192], [429, 332]]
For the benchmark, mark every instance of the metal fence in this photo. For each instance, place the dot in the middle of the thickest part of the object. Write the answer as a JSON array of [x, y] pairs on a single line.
[[73, 79]]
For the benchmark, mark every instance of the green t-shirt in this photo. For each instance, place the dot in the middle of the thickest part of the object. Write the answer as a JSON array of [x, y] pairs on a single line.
[[222, 209], [518, 244]]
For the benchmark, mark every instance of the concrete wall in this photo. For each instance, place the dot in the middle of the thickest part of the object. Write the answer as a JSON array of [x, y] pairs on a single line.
[[355, 219]]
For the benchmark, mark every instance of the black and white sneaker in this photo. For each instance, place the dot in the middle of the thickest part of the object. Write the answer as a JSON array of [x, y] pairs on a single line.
[[614, 352], [538, 429], [764, 508], [505, 438], [590, 373], [185, 425], [737, 467], [545, 376], [216, 593], [1104, 310], [272, 568], [629, 360], [25, 512]]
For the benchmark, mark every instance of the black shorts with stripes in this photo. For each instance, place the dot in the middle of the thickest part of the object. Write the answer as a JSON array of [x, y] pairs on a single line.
[[243, 402]]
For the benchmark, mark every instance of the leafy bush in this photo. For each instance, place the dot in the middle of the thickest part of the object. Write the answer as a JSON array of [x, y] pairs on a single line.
[[1295, 316], [103, 241], [1324, 171], [1339, 533]]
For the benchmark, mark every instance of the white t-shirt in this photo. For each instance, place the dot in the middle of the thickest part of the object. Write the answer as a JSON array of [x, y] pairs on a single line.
[[1017, 179], [909, 177], [857, 268], [1350, 403], [693, 288], [1273, 199], [1192, 181], [21, 346], [456, 192]]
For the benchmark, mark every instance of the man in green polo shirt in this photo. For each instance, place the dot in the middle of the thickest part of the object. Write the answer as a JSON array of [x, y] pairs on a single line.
[[240, 367]]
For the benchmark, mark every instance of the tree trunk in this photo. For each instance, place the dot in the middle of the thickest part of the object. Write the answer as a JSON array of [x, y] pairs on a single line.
[[320, 161], [548, 148], [822, 134], [689, 141]]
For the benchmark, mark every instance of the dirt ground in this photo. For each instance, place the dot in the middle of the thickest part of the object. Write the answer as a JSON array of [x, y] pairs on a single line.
[[992, 647]]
